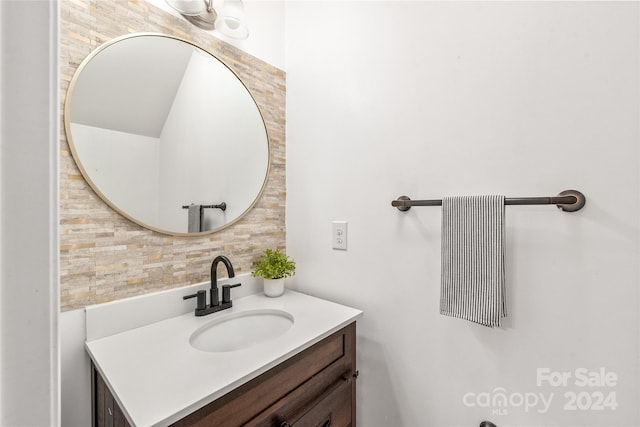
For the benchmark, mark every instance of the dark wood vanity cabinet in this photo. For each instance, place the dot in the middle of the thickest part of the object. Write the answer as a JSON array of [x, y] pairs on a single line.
[[315, 388]]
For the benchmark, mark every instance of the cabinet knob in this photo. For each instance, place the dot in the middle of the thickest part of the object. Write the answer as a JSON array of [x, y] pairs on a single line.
[[285, 424], [346, 378], [110, 412]]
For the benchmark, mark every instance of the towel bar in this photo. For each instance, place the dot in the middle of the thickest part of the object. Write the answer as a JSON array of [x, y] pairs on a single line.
[[568, 201], [221, 206]]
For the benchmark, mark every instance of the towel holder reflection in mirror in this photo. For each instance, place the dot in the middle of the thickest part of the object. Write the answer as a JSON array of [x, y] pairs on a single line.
[[222, 206], [568, 201]]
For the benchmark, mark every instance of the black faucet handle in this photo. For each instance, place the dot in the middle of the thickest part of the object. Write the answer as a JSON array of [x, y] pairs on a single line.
[[201, 302], [226, 292]]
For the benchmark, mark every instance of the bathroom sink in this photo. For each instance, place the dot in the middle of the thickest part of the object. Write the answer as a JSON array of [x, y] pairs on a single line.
[[241, 330]]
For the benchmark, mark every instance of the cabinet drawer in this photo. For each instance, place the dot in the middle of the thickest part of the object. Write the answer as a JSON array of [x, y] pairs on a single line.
[[334, 410], [312, 406], [305, 374]]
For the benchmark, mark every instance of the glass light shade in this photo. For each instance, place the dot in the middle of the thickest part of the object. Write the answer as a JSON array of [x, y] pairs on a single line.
[[232, 21], [187, 7]]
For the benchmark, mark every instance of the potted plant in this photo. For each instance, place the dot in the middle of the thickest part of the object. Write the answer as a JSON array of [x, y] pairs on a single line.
[[273, 266]]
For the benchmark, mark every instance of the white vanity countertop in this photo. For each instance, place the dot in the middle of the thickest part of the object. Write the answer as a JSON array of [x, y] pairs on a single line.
[[157, 377]]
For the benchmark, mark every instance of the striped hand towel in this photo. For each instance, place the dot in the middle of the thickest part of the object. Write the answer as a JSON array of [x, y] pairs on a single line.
[[473, 273]]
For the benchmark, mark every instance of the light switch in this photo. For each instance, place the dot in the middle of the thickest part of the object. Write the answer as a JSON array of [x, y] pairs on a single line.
[[339, 235]]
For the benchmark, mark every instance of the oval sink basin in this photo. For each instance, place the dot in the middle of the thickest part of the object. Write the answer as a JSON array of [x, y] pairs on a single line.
[[241, 330]]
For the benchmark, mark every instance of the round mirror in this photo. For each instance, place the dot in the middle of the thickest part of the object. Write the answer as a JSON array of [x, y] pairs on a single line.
[[166, 134]]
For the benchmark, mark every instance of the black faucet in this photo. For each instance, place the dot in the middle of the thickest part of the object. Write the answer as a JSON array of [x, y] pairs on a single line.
[[202, 308], [214, 277]]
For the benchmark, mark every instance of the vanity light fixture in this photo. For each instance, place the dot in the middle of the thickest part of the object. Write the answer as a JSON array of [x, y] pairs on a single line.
[[231, 22]]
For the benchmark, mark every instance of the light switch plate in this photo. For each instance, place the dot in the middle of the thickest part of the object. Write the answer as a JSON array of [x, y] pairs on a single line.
[[339, 235]]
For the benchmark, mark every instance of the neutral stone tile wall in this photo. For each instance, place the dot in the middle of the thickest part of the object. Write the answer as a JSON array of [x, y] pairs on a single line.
[[104, 256]]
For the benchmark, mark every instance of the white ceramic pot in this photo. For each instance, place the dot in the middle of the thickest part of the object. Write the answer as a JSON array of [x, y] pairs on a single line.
[[273, 287]]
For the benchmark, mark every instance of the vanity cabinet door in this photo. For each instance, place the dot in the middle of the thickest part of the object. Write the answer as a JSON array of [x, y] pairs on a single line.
[[107, 413]]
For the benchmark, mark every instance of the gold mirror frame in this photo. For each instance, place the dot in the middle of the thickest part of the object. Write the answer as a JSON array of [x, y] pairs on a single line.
[[99, 192]]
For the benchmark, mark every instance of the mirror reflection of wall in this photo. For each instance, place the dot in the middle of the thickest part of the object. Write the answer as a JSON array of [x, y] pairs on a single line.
[[156, 123]]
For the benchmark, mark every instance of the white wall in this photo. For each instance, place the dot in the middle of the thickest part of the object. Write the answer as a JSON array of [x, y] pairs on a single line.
[[75, 370], [442, 98], [29, 291]]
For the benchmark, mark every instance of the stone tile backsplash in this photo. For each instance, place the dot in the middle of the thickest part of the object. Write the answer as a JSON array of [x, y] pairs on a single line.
[[104, 256]]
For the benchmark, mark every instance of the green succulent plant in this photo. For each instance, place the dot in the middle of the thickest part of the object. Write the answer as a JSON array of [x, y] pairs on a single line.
[[273, 264]]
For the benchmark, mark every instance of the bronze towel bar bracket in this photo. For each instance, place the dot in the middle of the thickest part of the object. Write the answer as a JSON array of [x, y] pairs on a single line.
[[568, 201]]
